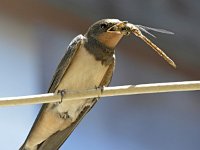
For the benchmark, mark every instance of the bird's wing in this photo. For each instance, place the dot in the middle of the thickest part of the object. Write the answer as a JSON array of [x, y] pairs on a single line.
[[65, 62], [60, 71], [56, 140]]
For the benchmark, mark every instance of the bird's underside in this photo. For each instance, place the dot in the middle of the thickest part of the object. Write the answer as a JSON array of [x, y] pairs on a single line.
[[78, 70]]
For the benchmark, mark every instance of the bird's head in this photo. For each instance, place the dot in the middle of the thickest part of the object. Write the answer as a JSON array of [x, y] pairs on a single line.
[[107, 31], [110, 31]]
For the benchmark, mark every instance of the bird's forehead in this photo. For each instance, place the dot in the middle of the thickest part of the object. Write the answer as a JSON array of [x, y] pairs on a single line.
[[111, 20]]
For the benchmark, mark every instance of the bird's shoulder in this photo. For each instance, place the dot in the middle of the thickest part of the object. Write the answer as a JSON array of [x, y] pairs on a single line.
[[66, 60]]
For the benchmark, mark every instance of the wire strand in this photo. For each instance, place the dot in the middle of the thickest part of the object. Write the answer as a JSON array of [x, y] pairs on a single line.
[[98, 92]]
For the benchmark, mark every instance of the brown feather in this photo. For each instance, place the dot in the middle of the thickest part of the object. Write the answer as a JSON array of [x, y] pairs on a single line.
[[60, 71], [57, 139]]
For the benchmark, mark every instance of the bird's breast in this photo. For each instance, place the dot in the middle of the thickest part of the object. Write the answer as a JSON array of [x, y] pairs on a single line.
[[84, 72]]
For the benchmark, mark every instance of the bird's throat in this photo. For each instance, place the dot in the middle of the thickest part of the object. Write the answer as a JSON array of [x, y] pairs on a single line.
[[100, 51], [110, 39]]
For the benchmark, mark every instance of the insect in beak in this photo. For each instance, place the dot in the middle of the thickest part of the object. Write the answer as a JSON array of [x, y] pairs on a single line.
[[126, 28], [120, 28]]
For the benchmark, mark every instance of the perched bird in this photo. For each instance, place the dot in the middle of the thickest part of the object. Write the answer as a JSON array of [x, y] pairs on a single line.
[[88, 63]]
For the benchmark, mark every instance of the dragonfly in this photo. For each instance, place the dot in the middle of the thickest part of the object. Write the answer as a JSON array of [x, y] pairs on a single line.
[[127, 28]]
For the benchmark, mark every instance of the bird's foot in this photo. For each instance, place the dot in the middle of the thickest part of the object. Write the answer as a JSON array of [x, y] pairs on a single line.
[[101, 89], [62, 94], [64, 115]]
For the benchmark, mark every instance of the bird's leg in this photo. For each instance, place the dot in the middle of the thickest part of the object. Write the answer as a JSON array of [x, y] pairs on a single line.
[[62, 94], [101, 90]]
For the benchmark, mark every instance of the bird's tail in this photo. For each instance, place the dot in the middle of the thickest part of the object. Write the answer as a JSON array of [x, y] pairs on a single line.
[[24, 148], [56, 140]]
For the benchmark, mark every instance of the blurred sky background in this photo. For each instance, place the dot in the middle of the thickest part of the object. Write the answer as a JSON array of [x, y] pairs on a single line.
[[34, 36]]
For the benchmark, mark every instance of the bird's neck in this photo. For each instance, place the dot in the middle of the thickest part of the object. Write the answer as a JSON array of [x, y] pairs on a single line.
[[100, 51], [109, 39]]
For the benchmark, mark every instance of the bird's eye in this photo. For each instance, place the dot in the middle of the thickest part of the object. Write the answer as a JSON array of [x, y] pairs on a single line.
[[103, 26]]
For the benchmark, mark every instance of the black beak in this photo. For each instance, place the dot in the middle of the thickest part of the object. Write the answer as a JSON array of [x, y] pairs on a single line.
[[120, 28]]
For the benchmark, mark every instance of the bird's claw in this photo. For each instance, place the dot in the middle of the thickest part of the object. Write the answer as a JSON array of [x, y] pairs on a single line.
[[62, 94], [101, 89]]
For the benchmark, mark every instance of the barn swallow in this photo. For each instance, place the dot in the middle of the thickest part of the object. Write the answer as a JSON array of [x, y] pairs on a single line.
[[88, 63]]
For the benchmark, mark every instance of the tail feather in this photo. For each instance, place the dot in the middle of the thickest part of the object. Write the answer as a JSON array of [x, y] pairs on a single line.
[[56, 140]]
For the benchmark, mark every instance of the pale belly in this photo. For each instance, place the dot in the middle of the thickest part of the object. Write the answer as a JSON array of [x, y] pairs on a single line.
[[83, 73]]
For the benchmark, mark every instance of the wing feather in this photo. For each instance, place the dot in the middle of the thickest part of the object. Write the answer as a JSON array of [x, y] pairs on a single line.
[[60, 71], [56, 140]]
